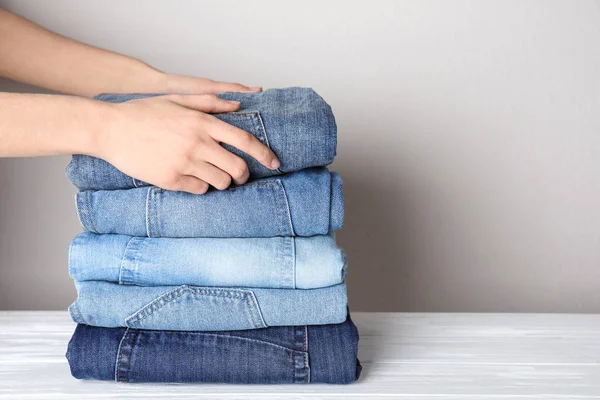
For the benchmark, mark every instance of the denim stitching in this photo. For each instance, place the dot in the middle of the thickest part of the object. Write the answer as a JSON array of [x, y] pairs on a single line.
[[254, 117], [200, 333], [78, 212], [287, 279], [89, 211], [256, 183], [123, 260], [262, 125], [301, 371], [86, 212], [127, 349], [257, 307], [148, 194], [278, 212], [154, 221], [287, 207], [293, 240], [119, 355], [259, 128], [183, 290], [163, 300], [134, 182], [306, 360]]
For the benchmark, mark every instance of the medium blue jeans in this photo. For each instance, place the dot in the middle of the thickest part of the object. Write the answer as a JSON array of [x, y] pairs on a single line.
[[304, 203], [291, 354], [296, 123], [277, 262], [194, 308]]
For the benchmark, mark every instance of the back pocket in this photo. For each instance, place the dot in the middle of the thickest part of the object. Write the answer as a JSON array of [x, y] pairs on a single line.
[[193, 308], [164, 356]]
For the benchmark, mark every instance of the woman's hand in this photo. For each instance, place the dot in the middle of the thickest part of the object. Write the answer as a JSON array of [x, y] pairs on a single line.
[[172, 142], [181, 84]]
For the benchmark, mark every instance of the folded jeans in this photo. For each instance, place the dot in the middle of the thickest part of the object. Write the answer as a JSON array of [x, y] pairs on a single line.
[[276, 262], [290, 354], [296, 123], [194, 308], [304, 203]]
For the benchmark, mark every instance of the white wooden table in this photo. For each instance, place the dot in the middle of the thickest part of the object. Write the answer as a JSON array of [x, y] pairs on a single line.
[[420, 356]]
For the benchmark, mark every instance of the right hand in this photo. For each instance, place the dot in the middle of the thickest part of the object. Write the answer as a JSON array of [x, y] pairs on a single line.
[[172, 142]]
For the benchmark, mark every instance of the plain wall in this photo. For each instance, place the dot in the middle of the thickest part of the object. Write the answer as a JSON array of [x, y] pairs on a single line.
[[469, 135]]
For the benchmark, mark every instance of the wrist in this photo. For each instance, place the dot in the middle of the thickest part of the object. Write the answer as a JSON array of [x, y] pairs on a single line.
[[95, 136]]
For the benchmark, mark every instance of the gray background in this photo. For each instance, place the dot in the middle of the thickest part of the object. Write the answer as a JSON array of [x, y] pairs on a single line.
[[468, 140]]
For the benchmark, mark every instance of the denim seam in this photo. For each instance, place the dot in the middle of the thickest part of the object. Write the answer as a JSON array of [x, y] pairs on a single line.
[[126, 348], [301, 370], [294, 262], [306, 355], [118, 363], [262, 125], [212, 334], [264, 183], [78, 212], [124, 260], [278, 207], [154, 224], [287, 207], [161, 301], [148, 194], [134, 182], [85, 212], [261, 322]]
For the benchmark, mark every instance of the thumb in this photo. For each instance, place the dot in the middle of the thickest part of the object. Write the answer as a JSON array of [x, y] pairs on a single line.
[[208, 103]]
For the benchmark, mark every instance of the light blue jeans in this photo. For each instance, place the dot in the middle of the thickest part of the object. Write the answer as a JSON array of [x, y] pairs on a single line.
[[304, 203], [277, 262], [194, 308], [296, 123]]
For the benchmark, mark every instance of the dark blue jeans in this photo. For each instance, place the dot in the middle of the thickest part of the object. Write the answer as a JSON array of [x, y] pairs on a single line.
[[296, 123], [291, 354]]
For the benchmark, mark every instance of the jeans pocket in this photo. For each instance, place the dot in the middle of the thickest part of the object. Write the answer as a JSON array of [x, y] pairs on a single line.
[[174, 356], [200, 308]]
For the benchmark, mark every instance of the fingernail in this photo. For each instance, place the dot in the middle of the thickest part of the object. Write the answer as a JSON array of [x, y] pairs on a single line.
[[275, 164], [237, 103], [256, 88]]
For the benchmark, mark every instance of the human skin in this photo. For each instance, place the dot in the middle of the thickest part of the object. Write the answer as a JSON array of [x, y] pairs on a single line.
[[176, 140]]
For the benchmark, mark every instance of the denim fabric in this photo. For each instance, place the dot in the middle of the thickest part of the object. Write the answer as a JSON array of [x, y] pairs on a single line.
[[194, 308], [304, 203], [277, 262], [296, 123], [294, 354]]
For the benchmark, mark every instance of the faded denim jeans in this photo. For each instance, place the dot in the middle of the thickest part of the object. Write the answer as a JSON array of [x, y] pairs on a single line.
[[291, 354], [277, 262], [195, 308], [305, 203], [296, 123]]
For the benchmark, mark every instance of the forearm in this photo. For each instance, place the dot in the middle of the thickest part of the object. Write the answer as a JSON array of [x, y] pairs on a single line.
[[40, 125], [34, 55]]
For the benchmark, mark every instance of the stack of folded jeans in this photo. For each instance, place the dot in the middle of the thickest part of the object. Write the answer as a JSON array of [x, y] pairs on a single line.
[[244, 285]]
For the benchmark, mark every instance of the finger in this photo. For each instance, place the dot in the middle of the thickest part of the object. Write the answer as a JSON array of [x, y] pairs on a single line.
[[211, 175], [228, 162], [221, 87], [190, 184], [208, 103], [244, 141]]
